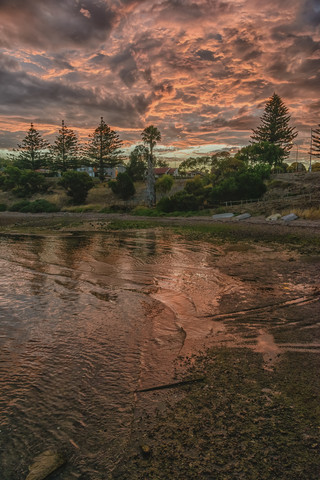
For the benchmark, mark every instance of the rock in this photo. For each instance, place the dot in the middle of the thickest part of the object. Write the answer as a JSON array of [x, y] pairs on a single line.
[[44, 464], [243, 216], [222, 215], [145, 450], [273, 217], [290, 217]]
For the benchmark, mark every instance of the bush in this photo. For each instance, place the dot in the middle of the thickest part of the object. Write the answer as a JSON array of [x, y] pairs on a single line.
[[181, 201], [3, 207], [164, 184], [123, 186], [17, 207], [23, 183], [77, 185], [38, 206]]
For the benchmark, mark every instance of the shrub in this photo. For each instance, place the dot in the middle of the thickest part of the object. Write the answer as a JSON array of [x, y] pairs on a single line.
[[181, 201], [3, 207], [123, 186], [16, 207], [23, 183], [164, 184], [38, 206], [77, 185]]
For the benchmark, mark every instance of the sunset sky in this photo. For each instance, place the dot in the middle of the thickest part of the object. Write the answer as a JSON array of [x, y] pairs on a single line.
[[199, 70]]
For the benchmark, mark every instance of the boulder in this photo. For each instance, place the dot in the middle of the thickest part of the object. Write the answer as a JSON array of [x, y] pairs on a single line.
[[44, 464], [243, 216], [221, 216], [273, 217], [290, 217]]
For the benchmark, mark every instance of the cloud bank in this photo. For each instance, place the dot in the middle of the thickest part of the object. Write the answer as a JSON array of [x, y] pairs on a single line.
[[200, 70]]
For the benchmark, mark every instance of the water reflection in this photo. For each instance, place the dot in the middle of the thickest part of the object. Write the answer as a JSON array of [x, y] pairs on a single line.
[[86, 320]]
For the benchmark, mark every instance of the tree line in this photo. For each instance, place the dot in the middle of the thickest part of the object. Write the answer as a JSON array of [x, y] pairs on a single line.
[[270, 145]]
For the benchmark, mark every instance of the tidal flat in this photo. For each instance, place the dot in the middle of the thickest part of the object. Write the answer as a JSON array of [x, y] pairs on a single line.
[[93, 312]]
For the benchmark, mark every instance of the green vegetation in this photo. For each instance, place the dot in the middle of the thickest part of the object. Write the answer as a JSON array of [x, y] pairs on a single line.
[[38, 206], [32, 152], [164, 184], [22, 183], [77, 185], [123, 186], [274, 128], [104, 148], [3, 207], [137, 166], [65, 150], [262, 152], [231, 179]]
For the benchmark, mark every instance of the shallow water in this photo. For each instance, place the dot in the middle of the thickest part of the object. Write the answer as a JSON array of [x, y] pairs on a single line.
[[87, 320]]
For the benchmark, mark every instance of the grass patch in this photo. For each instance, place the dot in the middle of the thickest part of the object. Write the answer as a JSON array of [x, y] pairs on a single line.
[[306, 213], [82, 208], [243, 422]]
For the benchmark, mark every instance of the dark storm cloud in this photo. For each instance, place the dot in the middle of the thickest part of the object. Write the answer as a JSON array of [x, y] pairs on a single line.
[[31, 95], [189, 10], [125, 64], [206, 55], [310, 13], [54, 24]]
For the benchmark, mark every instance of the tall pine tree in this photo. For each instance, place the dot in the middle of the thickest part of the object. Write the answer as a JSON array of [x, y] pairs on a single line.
[[104, 148], [65, 149], [315, 150], [32, 150], [274, 127]]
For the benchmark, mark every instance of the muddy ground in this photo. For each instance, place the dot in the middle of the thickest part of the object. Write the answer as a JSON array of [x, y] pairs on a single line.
[[255, 412]]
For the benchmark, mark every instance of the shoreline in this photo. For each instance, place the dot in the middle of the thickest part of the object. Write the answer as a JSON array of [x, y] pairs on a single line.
[[302, 235], [9, 218]]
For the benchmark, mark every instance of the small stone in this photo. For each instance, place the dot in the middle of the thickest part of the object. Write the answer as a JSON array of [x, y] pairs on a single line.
[[145, 450], [44, 464]]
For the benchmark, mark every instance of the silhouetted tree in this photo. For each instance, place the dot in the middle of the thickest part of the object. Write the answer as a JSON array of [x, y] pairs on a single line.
[[150, 136], [65, 149], [104, 148], [32, 151], [274, 127]]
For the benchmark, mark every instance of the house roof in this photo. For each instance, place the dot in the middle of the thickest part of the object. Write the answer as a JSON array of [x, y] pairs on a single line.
[[164, 171], [161, 170]]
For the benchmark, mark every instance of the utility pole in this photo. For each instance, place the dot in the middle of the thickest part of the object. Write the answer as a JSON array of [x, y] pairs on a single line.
[[310, 167]]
